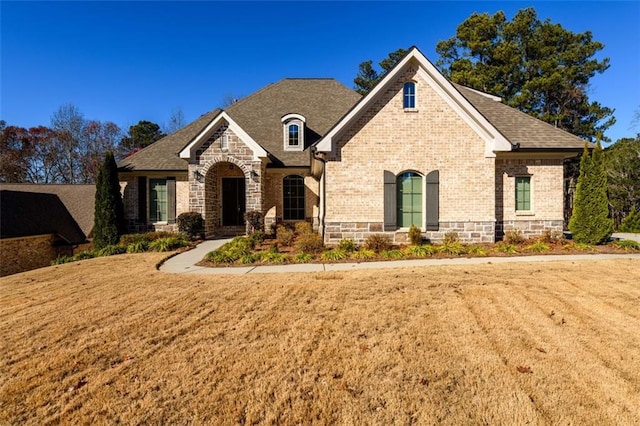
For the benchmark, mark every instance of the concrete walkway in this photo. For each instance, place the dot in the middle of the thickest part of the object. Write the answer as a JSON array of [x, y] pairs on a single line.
[[186, 262]]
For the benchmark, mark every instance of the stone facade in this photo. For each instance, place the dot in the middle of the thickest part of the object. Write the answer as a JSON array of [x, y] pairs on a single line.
[[430, 137]]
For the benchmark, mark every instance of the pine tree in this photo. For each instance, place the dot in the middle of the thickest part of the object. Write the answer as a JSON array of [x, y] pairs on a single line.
[[109, 210], [590, 222]]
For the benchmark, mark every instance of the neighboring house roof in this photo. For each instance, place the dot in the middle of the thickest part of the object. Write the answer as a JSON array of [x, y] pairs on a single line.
[[79, 200], [163, 154], [519, 127], [322, 101], [24, 214]]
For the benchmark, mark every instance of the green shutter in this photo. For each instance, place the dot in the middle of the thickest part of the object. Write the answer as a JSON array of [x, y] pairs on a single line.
[[171, 200], [389, 201], [432, 201]]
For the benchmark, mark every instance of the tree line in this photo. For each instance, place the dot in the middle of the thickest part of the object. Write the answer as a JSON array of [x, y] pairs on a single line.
[[72, 148]]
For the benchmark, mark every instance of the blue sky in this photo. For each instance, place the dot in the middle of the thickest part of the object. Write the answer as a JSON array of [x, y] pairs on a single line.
[[131, 61]]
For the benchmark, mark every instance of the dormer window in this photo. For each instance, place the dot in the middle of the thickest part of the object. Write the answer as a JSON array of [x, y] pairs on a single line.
[[293, 129], [409, 95]]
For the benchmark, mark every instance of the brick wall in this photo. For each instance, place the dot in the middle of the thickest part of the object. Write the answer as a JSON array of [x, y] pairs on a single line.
[[273, 196], [433, 137], [26, 253]]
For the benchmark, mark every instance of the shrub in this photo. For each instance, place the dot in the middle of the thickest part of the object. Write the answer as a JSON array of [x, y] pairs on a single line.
[[249, 258], [378, 242], [270, 257], [538, 247], [302, 257], [191, 224], [583, 247], [552, 237], [236, 250], [255, 220], [333, 255], [62, 260], [420, 250], [347, 244], [477, 250], [451, 237], [504, 247], [363, 254], [256, 238], [631, 222], [415, 235], [127, 239], [309, 243], [111, 250], [514, 236], [303, 228], [219, 256], [168, 243], [109, 209], [284, 236], [392, 254], [628, 245], [455, 248], [83, 255], [138, 247]]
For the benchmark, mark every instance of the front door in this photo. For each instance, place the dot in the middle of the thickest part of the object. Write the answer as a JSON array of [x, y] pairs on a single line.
[[233, 201]]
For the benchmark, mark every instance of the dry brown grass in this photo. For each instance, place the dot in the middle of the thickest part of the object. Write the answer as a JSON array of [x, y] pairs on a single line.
[[112, 340]]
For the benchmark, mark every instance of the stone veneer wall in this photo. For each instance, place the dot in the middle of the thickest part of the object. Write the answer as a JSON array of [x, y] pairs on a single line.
[[203, 193], [431, 137], [26, 253]]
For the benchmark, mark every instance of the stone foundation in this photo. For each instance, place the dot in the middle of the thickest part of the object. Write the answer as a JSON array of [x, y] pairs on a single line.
[[529, 228], [468, 232]]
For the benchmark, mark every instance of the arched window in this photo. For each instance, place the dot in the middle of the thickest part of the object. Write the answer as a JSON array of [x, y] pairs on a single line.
[[409, 95], [294, 139], [293, 197], [409, 199], [293, 126]]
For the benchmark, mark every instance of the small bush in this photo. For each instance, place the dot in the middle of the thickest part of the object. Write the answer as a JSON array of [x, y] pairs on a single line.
[[249, 258], [309, 243], [191, 224], [415, 235], [504, 247], [628, 245], [83, 255], [303, 228], [631, 222], [255, 220], [455, 248], [513, 236], [391, 254], [420, 250], [538, 247], [451, 237], [333, 255], [552, 237], [111, 250], [138, 247], [477, 250], [256, 238], [378, 242], [62, 260], [363, 254], [219, 256], [584, 247], [284, 236], [303, 257], [347, 244], [168, 243], [127, 239], [275, 258]]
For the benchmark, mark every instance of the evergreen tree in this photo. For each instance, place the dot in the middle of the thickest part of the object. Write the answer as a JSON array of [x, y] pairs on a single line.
[[590, 222], [109, 209]]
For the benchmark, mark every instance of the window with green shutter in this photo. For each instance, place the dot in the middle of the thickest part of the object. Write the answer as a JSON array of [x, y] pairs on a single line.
[[409, 199], [523, 193]]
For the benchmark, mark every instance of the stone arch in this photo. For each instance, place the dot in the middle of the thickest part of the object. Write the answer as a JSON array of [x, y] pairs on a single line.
[[227, 159]]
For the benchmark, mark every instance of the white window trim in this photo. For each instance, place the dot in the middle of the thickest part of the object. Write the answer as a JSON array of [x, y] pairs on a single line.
[[160, 222], [423, 224], [415, 97], [531, 211], [304, 199], [224, 141], [289, 120]]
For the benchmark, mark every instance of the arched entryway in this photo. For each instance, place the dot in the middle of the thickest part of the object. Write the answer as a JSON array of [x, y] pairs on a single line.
[[225, 199]]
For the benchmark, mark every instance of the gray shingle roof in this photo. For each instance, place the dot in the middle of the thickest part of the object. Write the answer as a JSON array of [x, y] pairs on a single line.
[[24, 214], [321, 101], [163, 154], [519, 127], [79, 200]]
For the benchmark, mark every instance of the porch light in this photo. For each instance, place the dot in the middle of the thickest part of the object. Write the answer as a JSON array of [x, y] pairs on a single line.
[[197, 175], [254, 175]]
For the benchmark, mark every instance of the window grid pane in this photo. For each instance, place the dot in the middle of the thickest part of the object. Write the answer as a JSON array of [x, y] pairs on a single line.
[[409, 200], [409, 95], [523, 193], [293, 135], [293, 198], [157, 200]]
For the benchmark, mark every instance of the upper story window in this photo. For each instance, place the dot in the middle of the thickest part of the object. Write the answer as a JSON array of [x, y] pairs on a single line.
[[224, 141], [293, 130], [409, 95]]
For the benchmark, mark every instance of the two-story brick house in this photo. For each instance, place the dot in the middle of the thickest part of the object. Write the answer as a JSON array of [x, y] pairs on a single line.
[[417, 150]]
